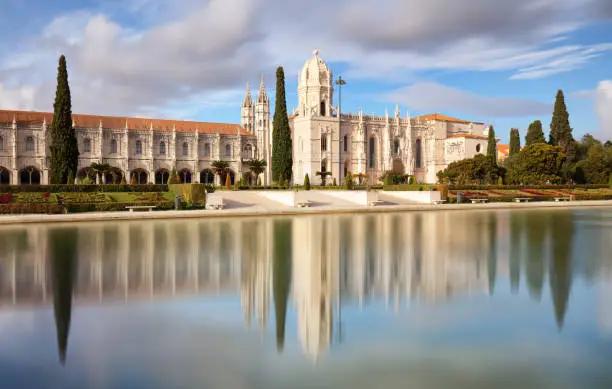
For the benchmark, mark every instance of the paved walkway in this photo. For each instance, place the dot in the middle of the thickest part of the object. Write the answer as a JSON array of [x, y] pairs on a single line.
[[240, 204]]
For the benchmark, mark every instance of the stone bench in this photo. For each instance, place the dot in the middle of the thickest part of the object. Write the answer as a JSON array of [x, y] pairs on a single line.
[[439, 202], [304, 204], [474, 201], [141, 207], [558, 199], [521, 199], [214, 202], [374, 203]]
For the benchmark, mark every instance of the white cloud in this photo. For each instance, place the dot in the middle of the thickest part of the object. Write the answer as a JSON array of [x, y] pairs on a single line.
[[434, 97], [17, 98], [190, 49], [603, 105]]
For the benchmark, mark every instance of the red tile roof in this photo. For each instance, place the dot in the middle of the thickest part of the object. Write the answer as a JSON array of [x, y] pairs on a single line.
[[469, 136], [116, 122], [503, 149], [442, 118]]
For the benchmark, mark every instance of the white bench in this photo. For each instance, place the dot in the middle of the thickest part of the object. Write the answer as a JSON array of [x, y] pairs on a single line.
[[374, 203], [214, 202], [304, 204], [439, 201], [558, 199], [474, 201], [143, 207], [521, 199]]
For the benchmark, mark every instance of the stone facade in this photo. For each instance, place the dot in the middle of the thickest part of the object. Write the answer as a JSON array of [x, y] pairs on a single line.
[[371, 145], [144, 150]]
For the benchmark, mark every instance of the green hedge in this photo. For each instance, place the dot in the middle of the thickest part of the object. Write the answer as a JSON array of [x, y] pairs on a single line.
[[83, 188], [518, 187], [54, 208], [412, 188]]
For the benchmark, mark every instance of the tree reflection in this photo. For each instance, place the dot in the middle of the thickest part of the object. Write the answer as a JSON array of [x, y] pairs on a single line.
[[560, 271], [63, 260], [535, 230], [492, 256], [281, 276], [515, 255]]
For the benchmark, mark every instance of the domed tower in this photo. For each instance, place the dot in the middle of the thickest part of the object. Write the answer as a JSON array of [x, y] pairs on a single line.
[[315, 90]]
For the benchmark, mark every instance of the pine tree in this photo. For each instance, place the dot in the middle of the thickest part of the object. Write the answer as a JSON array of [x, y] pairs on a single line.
[[64, 147], [560, 130], [515, 141], [534, 133], [492, 144], [282, 158]]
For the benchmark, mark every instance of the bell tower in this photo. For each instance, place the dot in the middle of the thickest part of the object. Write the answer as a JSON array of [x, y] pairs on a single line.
[[247, 113], [315, 90]]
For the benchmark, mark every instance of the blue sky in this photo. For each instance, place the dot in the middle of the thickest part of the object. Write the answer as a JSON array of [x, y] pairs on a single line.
[[499, 62]]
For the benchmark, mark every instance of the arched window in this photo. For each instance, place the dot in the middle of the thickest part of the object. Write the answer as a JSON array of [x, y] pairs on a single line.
[[1, 144], [207, 149], [247, 152], [162, 148], [372, 152], [345, 143], [185, 148], [396, 146], [228, 150], [323, 142], [138, 147], [30, 144], [418, 152], [87, 145], [114, 146]]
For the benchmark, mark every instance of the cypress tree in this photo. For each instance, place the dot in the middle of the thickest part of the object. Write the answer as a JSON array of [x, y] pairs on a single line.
[[282, 158], [515, 141], [560, 130], [64, 148], [306, 182], [534, 133], [492, 144]]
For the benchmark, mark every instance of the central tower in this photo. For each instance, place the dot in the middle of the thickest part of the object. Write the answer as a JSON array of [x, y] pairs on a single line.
[[315, 90]]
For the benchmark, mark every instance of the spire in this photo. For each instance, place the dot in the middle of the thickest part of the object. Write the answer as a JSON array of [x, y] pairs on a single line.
[[262, 97], [397, 111], [247, 98]]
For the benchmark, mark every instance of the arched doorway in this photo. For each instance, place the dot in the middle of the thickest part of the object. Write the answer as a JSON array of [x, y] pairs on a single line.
[[5, 176], [139, 177], [161, 176], [398, 166], [185, 176], [29, 176], [85, 173], [207, 177], [113, 176]]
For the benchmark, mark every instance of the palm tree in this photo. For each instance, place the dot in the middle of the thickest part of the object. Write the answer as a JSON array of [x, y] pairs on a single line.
[[100, 169], [323, 176], [220, 168], [257, 166]]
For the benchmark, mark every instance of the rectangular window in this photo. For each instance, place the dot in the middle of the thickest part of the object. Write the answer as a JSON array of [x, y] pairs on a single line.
[[324, 143]]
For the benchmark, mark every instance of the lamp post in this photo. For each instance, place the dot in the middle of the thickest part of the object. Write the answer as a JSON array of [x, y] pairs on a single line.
[[340, 82]]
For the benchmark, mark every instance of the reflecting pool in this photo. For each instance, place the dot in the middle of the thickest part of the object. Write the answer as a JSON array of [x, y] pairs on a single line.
[[477, 299]]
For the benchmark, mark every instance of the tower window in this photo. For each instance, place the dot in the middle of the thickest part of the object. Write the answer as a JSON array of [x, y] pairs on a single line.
[[323, 142], [322, 108], [396, 146], [345, 143], [138, 147], [372, 152], [162, 148], [418, 152]]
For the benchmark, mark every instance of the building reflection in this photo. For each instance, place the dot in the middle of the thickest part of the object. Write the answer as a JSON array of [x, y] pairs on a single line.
[[312, 265]]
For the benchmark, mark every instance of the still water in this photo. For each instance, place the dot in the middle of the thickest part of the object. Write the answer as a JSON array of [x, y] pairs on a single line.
[[475, 299]]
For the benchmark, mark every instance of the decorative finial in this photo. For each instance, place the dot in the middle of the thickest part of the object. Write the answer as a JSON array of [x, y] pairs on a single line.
[[315, 52], [126, 124]]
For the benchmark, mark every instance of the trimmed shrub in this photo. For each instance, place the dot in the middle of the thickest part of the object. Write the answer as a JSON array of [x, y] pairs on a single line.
[[334, 183], [348, 181], [192, 194], [228, 182], [409, 187], [306, 182]]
